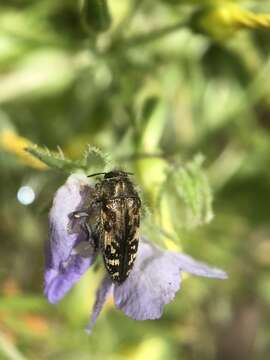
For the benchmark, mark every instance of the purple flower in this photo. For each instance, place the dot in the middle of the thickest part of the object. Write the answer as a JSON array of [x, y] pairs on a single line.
[[152, 283]]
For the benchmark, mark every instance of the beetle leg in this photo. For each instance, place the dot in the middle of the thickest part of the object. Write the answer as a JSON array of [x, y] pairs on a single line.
[[78, 220], [79, 214], [124, 197]]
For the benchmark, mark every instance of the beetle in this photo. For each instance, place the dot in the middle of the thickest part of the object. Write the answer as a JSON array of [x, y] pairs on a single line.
[[117, 222]]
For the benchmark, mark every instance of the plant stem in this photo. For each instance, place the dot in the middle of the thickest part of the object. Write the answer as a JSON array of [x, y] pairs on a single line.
[[144, 39]]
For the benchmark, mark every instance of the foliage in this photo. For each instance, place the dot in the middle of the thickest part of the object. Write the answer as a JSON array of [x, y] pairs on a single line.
[[147, 86]]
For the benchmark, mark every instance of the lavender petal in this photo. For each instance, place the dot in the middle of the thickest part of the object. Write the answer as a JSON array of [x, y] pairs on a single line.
[[155, 279], [59, 282], [63, 265], [192, 266], [152, 283]]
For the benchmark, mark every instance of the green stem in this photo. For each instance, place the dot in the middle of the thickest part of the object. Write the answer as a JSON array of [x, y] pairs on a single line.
[[144, 39], [128, 19]]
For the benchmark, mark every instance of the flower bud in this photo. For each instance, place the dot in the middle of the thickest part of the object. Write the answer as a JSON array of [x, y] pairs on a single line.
[[95, 15]]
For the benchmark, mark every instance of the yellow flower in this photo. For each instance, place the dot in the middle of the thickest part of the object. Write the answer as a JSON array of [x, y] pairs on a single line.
[[15, 144], [224, 20]]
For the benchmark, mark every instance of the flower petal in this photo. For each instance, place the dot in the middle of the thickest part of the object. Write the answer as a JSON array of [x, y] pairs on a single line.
[[64, 266], [101, 297], [154, 281], [192, 266]]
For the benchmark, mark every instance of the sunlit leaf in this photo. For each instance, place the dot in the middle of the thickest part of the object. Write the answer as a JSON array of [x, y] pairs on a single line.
[[192, 187], [54, 160]]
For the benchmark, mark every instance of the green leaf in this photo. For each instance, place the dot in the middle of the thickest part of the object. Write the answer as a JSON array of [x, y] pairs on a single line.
[[192, 187], [54, 160], [94, 160]]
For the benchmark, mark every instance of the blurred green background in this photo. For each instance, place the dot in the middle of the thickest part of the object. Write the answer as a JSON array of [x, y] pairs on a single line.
[[152, 83]]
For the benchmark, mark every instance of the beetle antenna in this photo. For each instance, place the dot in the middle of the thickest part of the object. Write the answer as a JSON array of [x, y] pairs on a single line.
[[103, 173], [96, 174]]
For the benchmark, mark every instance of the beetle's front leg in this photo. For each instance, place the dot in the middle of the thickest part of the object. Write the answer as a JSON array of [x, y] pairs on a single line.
[[86, 212], [79, 214], [78, 221], [87, 247], [81, 221]]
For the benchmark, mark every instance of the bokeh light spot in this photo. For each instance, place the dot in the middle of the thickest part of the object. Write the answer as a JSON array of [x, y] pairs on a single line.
[[26, 195]]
